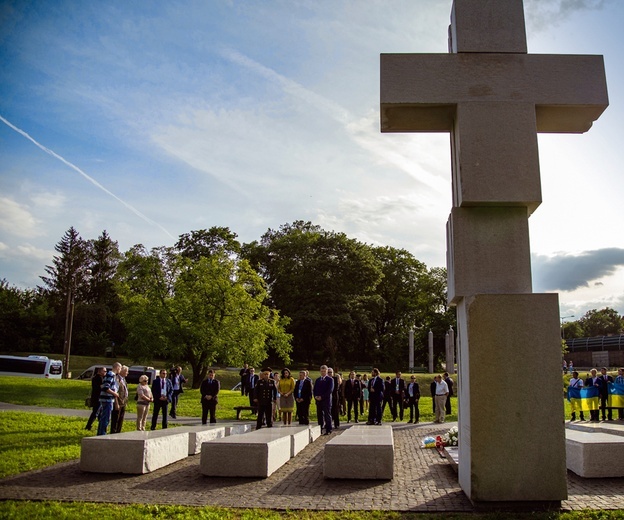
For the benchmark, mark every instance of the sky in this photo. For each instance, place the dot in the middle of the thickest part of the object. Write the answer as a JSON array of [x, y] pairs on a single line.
[[153, 119]]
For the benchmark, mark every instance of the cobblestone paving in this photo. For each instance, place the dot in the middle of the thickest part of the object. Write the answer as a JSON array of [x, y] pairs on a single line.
[[423, 482]]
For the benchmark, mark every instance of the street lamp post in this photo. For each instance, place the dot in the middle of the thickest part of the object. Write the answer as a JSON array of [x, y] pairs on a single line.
[[411, 350], [69, 322], [563, 318]]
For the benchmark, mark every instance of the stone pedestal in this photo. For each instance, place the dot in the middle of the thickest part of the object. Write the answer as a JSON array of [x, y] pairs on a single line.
[[511, 423]]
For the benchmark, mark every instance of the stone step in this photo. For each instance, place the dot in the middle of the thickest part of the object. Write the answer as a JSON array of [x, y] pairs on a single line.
[[361, 452], [594, 454], [256, 454]]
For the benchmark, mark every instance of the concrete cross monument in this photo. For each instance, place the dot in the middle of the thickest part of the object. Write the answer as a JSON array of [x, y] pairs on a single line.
[[493, 98]]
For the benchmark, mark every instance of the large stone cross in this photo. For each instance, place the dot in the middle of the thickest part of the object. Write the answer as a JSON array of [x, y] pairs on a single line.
[[493, 98]]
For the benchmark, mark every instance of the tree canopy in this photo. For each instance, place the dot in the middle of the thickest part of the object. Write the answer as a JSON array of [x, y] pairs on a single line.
[[202, 312]]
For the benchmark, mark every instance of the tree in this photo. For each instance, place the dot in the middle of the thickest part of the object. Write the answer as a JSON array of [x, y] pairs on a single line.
[[411, 297], [67, 280], [601, 322], [205, 243], [202, 312], [98, 324], [324, 282]]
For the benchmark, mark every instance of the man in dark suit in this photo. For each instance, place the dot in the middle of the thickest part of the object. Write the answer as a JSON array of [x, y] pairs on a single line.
[[352, 391], [607, 413], [412, 395], [449, 382], [250, 386], [335, 407], [398, 396], [264, 395], [387, 398], [244, 375], [323, 389], [209, 391], [375, 396], [162, 390], [594, 380], [303, 396]]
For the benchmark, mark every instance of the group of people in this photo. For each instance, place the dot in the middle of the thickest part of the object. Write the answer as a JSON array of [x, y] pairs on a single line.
[[568, 367], [601, 382], [109, 398], [272, 394]]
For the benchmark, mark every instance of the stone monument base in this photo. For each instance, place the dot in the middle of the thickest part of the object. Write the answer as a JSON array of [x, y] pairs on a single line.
[[511, 423]]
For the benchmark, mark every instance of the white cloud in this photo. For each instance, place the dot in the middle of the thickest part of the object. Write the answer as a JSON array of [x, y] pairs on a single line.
[[31, 251], [17, 219]]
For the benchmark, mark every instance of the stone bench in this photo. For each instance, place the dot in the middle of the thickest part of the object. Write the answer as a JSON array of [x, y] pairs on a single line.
[[361, 452], [594, 454], [133, 452], [255, 454], [205, 433]]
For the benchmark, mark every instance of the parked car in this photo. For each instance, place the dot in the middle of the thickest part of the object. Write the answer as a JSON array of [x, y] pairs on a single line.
[[134, 372]]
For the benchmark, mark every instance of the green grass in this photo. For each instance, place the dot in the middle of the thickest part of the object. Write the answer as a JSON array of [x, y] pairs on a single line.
[[34, 440], [18, 510]]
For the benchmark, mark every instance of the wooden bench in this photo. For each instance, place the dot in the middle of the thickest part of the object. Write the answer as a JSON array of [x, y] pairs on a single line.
[[418, 370], [361, 452], [363, 368], [239, 409]]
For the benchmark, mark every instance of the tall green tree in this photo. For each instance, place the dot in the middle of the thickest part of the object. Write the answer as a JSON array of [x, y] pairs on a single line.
[[412, 297], [601, 322], [205, 243], [324, 282], [66, 280], [99, 326], [24, 320], [205, 311]]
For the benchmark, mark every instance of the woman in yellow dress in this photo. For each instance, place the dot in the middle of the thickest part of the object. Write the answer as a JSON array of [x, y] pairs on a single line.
[[286, 387]]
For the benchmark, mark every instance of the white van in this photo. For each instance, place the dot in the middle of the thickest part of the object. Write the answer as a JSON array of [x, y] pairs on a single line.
[[134, 372], [31, 366]]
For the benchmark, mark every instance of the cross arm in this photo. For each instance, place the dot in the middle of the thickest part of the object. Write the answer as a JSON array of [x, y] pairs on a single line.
[[420, 92]]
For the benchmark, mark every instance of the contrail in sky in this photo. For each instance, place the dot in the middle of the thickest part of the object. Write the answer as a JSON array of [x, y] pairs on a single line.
[[90, 179]]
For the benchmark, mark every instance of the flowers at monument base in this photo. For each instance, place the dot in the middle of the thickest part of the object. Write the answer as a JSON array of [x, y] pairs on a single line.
[[451, 438]]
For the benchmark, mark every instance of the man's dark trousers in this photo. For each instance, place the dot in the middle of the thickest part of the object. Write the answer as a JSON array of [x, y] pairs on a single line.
[[158, 406]]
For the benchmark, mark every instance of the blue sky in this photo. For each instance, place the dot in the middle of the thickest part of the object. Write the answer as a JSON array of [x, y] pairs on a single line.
[[152, 119]]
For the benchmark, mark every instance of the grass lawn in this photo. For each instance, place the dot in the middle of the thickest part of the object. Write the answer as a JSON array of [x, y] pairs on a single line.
[[25, 510]]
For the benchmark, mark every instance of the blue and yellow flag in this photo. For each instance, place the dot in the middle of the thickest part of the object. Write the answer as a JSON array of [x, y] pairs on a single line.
[[584, 399], [616, 395]]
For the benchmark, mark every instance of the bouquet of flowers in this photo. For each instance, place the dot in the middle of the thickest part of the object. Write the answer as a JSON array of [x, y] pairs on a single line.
[[451, 437]]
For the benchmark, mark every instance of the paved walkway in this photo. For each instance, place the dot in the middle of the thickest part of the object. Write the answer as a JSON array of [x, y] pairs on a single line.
[[423, 482]]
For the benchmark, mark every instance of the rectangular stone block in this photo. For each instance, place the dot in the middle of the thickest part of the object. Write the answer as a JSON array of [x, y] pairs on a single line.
[[133, 452], [595, 454], [200, 434], [255, 454], [496, 163], [511, 424], [360, 453], [315, 432], [488, 251], [420, 92], [487, 26], [237, 429]]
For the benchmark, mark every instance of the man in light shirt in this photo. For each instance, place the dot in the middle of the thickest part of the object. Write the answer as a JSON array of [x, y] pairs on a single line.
[[440, 399]]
